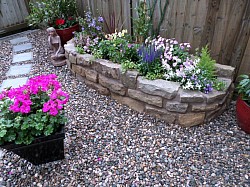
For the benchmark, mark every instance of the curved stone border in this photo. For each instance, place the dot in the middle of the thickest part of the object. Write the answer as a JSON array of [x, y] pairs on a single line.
[[161, 98]]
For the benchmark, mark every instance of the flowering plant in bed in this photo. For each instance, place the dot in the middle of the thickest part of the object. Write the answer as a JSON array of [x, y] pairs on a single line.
[[157, 58], [117, 47], [32, 110], [91, 34]]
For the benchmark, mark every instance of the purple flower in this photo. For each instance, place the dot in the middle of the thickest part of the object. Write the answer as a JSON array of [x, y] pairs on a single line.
[[130, 45], [98, 28], [93, 23], [100, 19]]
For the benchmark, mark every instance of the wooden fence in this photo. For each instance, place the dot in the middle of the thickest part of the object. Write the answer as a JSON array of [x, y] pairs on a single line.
[[223, 24], [13, 14]]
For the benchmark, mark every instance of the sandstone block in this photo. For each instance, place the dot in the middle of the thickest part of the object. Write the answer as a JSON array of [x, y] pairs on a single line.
[[131, 103], [91, 75], [97, 87], [70, 48], [161, 113], [174, 106], [72, 58], [190, 96], [112, 84], [158, 87], [129, 79], [215, 96], [191, 119], [85, 59], [225, 71], [204, 107], [107, 68], [150, 99], [77, 69]]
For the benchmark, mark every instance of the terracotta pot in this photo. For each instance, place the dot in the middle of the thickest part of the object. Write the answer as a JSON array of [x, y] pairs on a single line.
[[243, 115], [67, 34]]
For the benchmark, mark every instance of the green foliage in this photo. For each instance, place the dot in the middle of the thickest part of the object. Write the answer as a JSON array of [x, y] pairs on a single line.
[[207, 64], [244, 88], [23, 128], [31, 110], [142, 23], [219, 85], [152, 70], [116, 48], [128, 65], [207, 67], [46, 12], [80, 50]]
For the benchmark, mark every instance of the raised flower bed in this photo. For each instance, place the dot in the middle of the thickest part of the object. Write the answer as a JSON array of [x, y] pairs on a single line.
[[164, 99]]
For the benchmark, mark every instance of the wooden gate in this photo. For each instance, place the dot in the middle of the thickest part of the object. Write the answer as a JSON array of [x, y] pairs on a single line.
[[13, 14]]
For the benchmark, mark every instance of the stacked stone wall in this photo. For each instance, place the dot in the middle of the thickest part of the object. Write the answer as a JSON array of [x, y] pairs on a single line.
[[163, 99]]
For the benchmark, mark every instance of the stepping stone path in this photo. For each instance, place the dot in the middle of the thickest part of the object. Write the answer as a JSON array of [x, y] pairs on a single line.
[[22, 50]]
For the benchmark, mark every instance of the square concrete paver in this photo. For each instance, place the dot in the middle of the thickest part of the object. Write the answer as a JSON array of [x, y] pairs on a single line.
[[14, 83], [19, 40], [19, 69], [22, 57], [22, 47]]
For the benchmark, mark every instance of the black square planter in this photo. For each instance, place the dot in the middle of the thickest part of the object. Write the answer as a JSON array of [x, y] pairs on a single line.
[[42, 150]]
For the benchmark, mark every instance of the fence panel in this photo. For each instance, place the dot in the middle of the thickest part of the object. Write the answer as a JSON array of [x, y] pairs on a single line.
[[13, 14]]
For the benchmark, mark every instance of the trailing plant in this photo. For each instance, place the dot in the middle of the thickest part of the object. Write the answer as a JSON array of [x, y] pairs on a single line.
[[31, 110]]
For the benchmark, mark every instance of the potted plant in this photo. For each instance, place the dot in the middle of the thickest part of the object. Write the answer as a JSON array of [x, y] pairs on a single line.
[[32, 119], [243, 103], [60, 14]]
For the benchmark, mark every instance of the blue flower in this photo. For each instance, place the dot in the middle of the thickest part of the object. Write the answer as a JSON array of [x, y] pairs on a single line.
[[98, 28], [100, 19]]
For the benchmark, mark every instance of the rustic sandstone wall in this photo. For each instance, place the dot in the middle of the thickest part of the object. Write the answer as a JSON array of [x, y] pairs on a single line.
[[160, 98]]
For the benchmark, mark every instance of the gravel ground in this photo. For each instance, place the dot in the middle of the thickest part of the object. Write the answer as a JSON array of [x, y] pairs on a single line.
[[108, 144]]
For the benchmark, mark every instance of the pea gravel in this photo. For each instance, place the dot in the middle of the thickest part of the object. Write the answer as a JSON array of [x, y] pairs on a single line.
[[108, 144]]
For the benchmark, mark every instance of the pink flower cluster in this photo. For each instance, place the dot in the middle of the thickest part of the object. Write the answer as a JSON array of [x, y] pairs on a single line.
[[31, 94]]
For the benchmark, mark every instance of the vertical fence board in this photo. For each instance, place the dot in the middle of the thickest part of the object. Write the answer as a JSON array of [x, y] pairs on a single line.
[[231, 31], [245, 63], [180, 16], [242, 39], [190, 14], [199, 24]]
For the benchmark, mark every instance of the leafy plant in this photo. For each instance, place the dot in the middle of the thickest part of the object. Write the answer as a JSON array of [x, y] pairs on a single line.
[[117, 48], [59, 14], [142, 23], [86, 40], [150, 63], [244, 88], [91, 26], [31, 110], [206, 64]]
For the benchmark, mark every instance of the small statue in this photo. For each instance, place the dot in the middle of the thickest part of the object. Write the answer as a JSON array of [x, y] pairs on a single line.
[[58, 57]]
